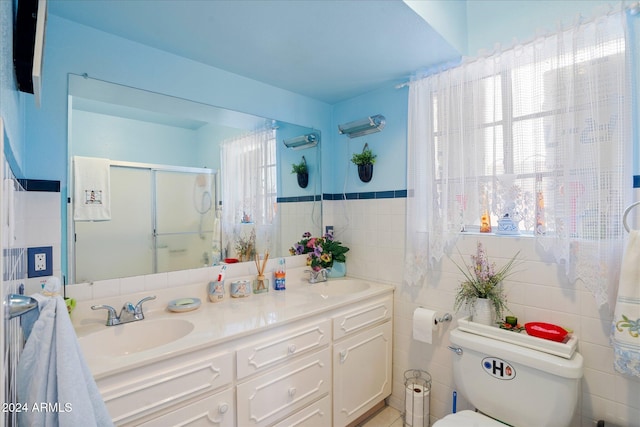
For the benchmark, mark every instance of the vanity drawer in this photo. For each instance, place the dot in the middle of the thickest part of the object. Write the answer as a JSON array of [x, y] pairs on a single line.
[[318, 414], [139, 392], [282, 391], [362, 317], [212, 411], [266, 353]]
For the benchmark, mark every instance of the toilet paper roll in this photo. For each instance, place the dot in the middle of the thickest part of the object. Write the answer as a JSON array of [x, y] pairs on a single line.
[[416, 404], [424, 323]]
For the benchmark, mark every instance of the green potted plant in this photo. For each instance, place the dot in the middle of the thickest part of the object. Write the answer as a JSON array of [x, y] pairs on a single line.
[[302, 172], [482, 292], [364, 161]]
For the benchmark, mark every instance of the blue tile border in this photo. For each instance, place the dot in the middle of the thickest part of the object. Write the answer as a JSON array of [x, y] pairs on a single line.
[[40, 185], [391, 194], [294, 199]]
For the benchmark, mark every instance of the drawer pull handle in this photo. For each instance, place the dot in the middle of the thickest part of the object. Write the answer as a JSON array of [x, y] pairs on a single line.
[[223, 408], [343, 356], [292, 391], [292, 348]]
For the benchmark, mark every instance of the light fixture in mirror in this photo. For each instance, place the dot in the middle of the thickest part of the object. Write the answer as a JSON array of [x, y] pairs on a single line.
[[302, 141], [149, 138]]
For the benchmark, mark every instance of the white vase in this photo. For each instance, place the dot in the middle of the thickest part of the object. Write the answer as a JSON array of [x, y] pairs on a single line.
[[483, 312]]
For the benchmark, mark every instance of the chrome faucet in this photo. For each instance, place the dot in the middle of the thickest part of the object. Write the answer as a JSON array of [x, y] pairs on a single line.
[[128, 313], [318, 276]]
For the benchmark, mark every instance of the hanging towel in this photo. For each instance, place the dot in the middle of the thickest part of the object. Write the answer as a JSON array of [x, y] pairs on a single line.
[[53, 380], [91, 189], [625, 335]]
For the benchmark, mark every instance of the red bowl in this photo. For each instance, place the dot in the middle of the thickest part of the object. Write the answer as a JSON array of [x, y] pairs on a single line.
[[231, 260], [547, 331]]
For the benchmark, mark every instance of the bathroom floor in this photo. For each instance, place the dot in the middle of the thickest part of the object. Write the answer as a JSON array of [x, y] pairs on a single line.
[[387, 417]]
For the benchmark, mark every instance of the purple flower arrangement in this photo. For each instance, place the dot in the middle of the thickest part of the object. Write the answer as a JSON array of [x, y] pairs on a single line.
[[483, 281], [321, 252]]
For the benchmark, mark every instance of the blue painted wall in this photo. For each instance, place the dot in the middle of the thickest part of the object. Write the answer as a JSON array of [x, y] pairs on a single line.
[[390, 145], [73, 48], [499, 21]]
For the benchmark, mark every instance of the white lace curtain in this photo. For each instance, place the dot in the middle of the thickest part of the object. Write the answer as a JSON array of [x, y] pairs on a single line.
[[540, 133], [249, 190]]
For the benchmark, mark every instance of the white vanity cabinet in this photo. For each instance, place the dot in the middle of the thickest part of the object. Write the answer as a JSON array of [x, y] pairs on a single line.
[[326, 366], [362, 355]]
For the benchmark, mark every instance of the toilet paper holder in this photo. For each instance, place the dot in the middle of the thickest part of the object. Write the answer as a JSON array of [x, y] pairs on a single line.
[[417, 385], [445, 318]]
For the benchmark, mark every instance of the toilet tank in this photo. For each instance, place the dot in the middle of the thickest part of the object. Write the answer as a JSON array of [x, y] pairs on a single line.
[[516, 385]]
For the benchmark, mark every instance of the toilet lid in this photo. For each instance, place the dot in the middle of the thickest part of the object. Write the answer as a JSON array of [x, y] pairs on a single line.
[[467, 419]]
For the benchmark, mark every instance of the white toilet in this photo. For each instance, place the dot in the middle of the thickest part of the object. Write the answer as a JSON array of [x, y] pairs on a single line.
[[518, 386]]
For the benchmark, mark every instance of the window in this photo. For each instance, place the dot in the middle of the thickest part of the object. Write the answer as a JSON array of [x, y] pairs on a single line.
[[541, 133]]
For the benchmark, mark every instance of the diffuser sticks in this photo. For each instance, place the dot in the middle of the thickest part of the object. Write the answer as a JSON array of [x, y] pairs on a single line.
[[261, 284]]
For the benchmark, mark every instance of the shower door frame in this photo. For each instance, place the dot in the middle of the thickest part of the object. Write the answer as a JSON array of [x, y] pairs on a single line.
[[152, 168]]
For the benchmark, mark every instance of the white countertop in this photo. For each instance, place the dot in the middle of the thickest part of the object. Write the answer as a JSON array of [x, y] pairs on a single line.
[[216, 323]]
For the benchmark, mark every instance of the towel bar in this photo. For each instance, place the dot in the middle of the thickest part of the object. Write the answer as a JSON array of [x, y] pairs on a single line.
[[20, 304], [626, 212]]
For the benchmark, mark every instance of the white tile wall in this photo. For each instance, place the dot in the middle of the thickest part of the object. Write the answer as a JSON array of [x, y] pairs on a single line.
[[375, 232], [297, 218], [40, 217]]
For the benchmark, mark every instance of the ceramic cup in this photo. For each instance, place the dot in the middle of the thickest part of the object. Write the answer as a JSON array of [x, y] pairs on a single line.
[[240, 289]]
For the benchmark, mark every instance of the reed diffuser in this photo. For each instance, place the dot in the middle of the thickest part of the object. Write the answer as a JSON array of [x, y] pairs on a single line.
[[261, 284]]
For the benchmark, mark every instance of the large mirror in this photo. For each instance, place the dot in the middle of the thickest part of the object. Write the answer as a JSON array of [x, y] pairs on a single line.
[[188, 184]]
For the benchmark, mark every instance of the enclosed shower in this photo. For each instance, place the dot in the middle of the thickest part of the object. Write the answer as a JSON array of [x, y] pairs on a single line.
[[163, 219]]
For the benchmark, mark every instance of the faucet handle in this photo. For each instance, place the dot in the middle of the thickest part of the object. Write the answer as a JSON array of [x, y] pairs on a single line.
[[112, 316], [138, 307]]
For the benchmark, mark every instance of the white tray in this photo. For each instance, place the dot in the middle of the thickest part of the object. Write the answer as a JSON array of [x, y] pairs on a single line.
[[562, 349]]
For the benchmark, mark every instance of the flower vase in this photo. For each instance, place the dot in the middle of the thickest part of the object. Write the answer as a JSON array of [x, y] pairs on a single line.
[[483, 312], [338, 269]]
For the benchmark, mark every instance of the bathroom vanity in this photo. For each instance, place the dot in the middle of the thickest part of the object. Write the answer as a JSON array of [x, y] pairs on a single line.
[[313, 355]]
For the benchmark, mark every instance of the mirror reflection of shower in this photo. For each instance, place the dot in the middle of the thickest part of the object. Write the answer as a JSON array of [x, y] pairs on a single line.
[[163, 219], [202, 200]]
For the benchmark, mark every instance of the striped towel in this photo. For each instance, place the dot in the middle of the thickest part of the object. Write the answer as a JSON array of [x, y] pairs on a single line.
[[625, 335]]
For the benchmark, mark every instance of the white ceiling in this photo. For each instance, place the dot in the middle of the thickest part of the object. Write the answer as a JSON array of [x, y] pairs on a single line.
[[329, 50]]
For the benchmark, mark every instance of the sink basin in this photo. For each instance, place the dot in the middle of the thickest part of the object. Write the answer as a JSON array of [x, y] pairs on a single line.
[[133, 337], [332, 288]]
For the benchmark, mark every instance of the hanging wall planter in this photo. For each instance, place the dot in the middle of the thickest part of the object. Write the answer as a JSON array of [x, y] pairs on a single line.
[[365, 172], [302, 172], [364, 161]]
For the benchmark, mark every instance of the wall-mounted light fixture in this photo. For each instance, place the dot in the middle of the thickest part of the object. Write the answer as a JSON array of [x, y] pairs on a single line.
[[362, 127], [303, 141]]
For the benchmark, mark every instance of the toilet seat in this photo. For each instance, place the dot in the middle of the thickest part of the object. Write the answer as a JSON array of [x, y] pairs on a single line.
[[467, 419]]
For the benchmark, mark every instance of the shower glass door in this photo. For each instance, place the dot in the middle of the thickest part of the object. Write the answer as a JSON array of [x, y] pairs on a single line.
[[185, 214], [122, 246], [162, 219]]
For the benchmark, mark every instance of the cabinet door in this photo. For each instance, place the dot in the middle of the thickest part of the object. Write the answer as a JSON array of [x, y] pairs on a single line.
[[283, 391], [361, 373], [212, 411]]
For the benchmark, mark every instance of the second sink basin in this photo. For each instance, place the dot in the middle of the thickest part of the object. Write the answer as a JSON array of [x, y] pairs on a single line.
[[133, 337], [338, 287]]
